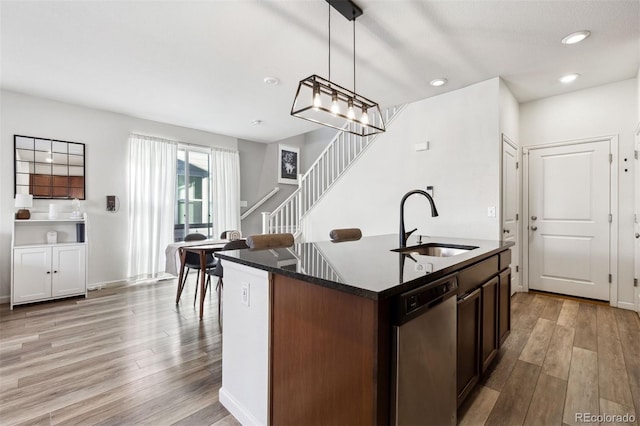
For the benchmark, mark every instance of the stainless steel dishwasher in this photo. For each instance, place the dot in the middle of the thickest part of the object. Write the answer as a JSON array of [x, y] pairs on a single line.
[[424, 337]]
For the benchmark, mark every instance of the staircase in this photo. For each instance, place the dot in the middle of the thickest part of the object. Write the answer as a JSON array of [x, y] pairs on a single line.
[[333, 162]]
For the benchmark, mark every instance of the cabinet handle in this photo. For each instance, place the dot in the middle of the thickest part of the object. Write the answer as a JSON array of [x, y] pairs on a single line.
[[48, 272], [534, 228], [534, 217], [55, 272], [505, 231], [470, 295]]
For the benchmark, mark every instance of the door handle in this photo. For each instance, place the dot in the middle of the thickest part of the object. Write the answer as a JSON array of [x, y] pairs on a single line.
[[637, 235], [534, 228], [534, 217], [505, 231]]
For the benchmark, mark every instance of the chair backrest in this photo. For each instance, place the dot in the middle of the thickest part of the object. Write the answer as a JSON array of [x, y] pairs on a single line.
[[195, 237], [345, 234], [231, 235], [236, 245], [231, 245]]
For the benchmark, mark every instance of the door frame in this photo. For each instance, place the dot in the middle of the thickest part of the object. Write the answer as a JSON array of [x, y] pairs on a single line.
[[518, 149], [636, 219], [613, 206]]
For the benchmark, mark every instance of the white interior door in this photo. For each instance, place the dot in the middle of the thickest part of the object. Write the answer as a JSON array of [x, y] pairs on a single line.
[[569, 229], [637, 222], [510, 203]]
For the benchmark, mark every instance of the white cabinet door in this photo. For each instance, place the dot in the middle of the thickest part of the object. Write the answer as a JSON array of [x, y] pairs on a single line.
[[31, 274], [68, 271]]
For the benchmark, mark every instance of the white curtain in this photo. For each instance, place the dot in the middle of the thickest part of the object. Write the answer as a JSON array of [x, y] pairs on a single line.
[[152, 183], [226, 190]]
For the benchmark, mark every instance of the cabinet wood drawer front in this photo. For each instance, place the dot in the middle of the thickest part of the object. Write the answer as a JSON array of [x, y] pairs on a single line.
[[476, 275], [505, 259]]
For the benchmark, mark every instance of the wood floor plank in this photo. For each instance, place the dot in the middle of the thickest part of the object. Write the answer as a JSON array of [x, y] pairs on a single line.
[[501, 370], [613, 381], [547, 402], [610, 408], [569, 313], [513, 402], [552, 309], [535, 350], [478, 412], [558, 358], [586, 328], [582, 387], [630, 342]]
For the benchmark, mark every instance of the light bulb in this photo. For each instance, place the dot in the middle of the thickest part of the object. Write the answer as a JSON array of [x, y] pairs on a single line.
[[351, 114], [317, 102], [365, 116], [335, 107]]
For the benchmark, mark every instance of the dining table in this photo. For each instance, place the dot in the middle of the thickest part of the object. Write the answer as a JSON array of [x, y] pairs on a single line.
[[202, 251]]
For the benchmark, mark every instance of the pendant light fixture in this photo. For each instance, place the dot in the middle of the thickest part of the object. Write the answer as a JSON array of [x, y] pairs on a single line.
[[324, 102]]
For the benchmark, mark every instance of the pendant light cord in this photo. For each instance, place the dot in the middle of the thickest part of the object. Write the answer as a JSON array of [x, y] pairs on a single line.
[[354, 54], [329, 40]]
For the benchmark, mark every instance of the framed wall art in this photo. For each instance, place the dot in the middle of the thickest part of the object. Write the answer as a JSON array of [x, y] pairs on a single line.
[[288, 164]]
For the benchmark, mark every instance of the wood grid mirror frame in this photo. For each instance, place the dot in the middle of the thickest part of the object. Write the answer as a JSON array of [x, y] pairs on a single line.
[[49, 168]]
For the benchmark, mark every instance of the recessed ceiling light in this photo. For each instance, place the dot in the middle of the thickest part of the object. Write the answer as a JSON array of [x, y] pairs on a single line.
[[438, 82], [256, 122], [576, 37], [569, 78], [272, 81]]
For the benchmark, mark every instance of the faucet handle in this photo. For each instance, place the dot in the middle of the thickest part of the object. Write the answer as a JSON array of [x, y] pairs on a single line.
[[407, 234]]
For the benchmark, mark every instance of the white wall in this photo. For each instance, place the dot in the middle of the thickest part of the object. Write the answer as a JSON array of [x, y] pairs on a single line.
[[462, 164], [611, 109], [259, 175], [509, 114], [106, 136]]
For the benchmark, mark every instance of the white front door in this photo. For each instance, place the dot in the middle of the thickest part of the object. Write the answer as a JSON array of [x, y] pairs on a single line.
[[569, 230], [510, 203]]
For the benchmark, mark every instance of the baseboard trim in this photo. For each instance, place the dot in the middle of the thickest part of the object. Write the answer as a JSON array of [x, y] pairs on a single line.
[[5, 299], [236, 409], [627, 305]]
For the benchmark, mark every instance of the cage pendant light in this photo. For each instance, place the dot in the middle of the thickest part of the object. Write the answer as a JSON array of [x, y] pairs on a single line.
[[322, 101]]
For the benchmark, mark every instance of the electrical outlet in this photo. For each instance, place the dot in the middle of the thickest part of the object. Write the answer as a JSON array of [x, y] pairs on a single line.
[[491, 211], [245, 294]]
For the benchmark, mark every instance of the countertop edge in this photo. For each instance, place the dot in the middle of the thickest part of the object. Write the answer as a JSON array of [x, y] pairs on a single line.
[[357, 291]]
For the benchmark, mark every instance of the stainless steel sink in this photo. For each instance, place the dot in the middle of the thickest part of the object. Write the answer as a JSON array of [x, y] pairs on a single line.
[[436, 250]]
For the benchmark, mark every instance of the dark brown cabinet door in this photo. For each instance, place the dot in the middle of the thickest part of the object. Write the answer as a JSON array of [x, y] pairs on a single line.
[[469, 311], [489, 322], [504, 305]]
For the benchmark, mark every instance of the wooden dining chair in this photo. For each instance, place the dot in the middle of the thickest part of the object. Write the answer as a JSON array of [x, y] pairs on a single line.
[[192, 261]]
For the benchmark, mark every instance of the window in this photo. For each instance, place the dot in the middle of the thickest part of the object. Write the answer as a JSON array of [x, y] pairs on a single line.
[[193, 205]]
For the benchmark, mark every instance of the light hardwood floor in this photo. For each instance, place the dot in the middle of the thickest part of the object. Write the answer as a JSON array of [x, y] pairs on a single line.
[[125, 355], [129, 355], [562, 357]]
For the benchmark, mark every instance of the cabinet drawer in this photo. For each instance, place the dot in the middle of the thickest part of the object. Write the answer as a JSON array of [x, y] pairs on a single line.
[[476, 275], [505, 259]]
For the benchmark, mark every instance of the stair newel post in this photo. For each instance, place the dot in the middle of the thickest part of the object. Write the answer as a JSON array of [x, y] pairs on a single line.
[[265, 222]]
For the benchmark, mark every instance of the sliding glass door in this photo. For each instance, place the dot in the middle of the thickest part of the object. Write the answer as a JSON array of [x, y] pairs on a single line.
[[193, 193]]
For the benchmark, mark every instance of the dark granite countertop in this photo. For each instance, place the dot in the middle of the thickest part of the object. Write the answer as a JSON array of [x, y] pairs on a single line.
[[366, 267]]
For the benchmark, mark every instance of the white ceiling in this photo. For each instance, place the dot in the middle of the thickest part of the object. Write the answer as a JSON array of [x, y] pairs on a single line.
[[201, 64]]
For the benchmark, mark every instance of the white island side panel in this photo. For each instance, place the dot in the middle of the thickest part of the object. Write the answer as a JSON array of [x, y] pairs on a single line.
[[245, 344]]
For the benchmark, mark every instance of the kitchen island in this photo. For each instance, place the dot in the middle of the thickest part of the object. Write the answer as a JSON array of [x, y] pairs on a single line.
[[308, 330]]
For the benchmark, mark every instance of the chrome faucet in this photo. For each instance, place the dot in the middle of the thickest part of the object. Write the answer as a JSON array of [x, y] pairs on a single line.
[[434, 212]]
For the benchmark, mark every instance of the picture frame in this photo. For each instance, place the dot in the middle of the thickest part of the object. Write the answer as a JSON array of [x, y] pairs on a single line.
[[288, 164]]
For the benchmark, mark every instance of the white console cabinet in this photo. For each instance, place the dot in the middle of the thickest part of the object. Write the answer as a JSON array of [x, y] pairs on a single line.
[[44, 271]]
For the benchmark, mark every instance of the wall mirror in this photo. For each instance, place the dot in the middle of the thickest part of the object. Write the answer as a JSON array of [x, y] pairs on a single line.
[[48, 168]]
